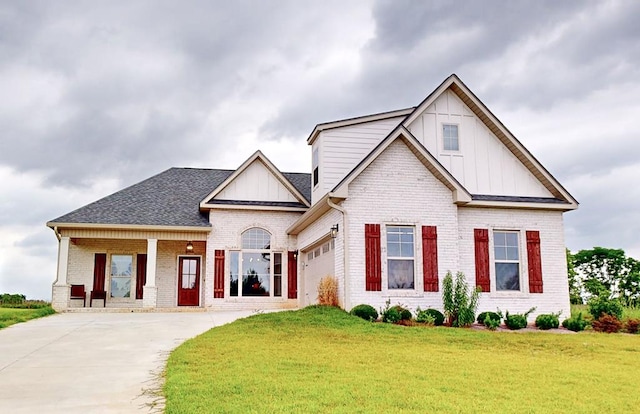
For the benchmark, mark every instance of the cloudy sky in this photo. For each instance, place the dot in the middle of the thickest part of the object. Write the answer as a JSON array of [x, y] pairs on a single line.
[[100, 95]]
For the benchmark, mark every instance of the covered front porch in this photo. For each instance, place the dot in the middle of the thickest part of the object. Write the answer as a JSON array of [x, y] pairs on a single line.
[[130, 269]]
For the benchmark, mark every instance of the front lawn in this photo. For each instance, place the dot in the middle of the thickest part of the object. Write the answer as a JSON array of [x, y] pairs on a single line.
[[10, 316], [324, 360]]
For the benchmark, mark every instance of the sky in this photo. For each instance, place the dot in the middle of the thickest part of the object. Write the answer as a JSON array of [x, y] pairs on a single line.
[[99, 95]]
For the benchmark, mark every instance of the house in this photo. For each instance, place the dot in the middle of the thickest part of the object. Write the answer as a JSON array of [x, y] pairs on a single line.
[[394, 201]]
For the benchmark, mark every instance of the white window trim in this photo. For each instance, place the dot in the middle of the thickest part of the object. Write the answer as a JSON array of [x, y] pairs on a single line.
[[418, 287], [459, 150], [283, 275], [134, 266], [524, 285]]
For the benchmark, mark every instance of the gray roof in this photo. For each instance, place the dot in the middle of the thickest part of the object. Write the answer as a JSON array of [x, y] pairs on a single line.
[[171, 198]]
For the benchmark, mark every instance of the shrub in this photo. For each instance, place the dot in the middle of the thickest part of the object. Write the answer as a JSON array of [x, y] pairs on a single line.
[[328, 291], [405, 314], [366, 312], [601, 305], [517, 320], [459, 304], [632, 325], [607, 323], [575, 324], [435, 316], [494, 316], [548, 321], [390, 315], [490, 322]]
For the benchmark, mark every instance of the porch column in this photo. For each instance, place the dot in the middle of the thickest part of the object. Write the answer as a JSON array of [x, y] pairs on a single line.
[[60, 291], [150, 290]]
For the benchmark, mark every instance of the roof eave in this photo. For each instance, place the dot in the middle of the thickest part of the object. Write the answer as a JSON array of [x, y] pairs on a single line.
[[61, 225], [357, 120]]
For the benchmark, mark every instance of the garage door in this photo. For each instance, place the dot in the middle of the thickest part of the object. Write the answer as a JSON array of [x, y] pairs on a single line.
[[319, 262]]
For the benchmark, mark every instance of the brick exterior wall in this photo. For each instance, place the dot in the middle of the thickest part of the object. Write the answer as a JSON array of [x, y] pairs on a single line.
[[552, 249], [404, 192], [228, 225]]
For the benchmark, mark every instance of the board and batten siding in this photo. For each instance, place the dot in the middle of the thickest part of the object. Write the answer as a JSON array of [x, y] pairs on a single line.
[[256, 183], [341, 149], [483, 164]]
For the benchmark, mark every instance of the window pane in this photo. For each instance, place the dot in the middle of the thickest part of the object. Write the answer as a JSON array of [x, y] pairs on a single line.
[[400, 274], [121, 276], [499, 239], [393, 249], [507, 276], [256, 274], [512, 253], [511, 239], [500, 253], [256, 238], [233, 273]]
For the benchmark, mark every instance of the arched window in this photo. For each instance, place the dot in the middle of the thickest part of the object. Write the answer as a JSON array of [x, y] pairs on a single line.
[[256, 266]]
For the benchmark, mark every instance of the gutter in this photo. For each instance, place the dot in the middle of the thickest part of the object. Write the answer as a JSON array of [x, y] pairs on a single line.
[[345, 252]]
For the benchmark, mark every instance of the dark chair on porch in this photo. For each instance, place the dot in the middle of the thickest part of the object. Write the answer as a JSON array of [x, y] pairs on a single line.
[[78, 292], [98, 295]]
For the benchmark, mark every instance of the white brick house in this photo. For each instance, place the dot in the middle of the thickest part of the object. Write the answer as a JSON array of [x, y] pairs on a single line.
[[393, 202]]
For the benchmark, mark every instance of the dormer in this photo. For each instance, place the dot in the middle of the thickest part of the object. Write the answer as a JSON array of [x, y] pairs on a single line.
[[337, 147]]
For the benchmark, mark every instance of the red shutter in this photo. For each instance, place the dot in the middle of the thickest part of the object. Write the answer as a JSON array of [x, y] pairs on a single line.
[[292, 272], [373, 269], [141, 275], [535, 262], [481, 237], [218, 274], [99, 269], [430, 258]]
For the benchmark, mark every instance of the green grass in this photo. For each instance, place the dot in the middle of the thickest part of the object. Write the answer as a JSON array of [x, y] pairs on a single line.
[[323, 360], [10, 316]]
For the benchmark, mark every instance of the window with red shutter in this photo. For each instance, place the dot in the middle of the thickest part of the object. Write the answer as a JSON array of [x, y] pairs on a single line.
[[534, 261], [373, 270], [481, 237], [430, 258]]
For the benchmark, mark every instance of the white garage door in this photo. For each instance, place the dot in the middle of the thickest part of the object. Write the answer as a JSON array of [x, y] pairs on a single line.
[[319, 262]]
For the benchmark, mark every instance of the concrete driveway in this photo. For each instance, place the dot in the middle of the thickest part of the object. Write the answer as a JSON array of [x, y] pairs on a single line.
[[93, 362]]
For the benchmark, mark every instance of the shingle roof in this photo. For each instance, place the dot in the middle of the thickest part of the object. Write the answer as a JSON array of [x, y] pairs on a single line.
[[171, 198]]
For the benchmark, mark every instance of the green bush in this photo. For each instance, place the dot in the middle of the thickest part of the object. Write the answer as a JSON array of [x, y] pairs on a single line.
[[548, 321], [490, 322], [575, 323], [607, 323], [391, 315], [601, 305], [405, 314], [459, 303], [492, 315], [432, 314], [366, 312], [517, 320]]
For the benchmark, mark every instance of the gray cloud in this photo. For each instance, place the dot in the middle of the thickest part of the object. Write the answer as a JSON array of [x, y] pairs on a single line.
[[105, 92]]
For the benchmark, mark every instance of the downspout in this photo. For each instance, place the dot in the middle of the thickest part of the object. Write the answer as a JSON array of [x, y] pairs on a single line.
[[345, 250]]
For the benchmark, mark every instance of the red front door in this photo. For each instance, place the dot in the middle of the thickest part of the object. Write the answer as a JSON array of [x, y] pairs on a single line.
[[189, 281]]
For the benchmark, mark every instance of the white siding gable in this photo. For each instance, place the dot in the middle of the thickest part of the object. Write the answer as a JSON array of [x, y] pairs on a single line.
[[483, 165], [256, 183], [341, 149]]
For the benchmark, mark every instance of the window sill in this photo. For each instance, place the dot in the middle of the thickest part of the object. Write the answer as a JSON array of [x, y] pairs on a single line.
[[509, 295]]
